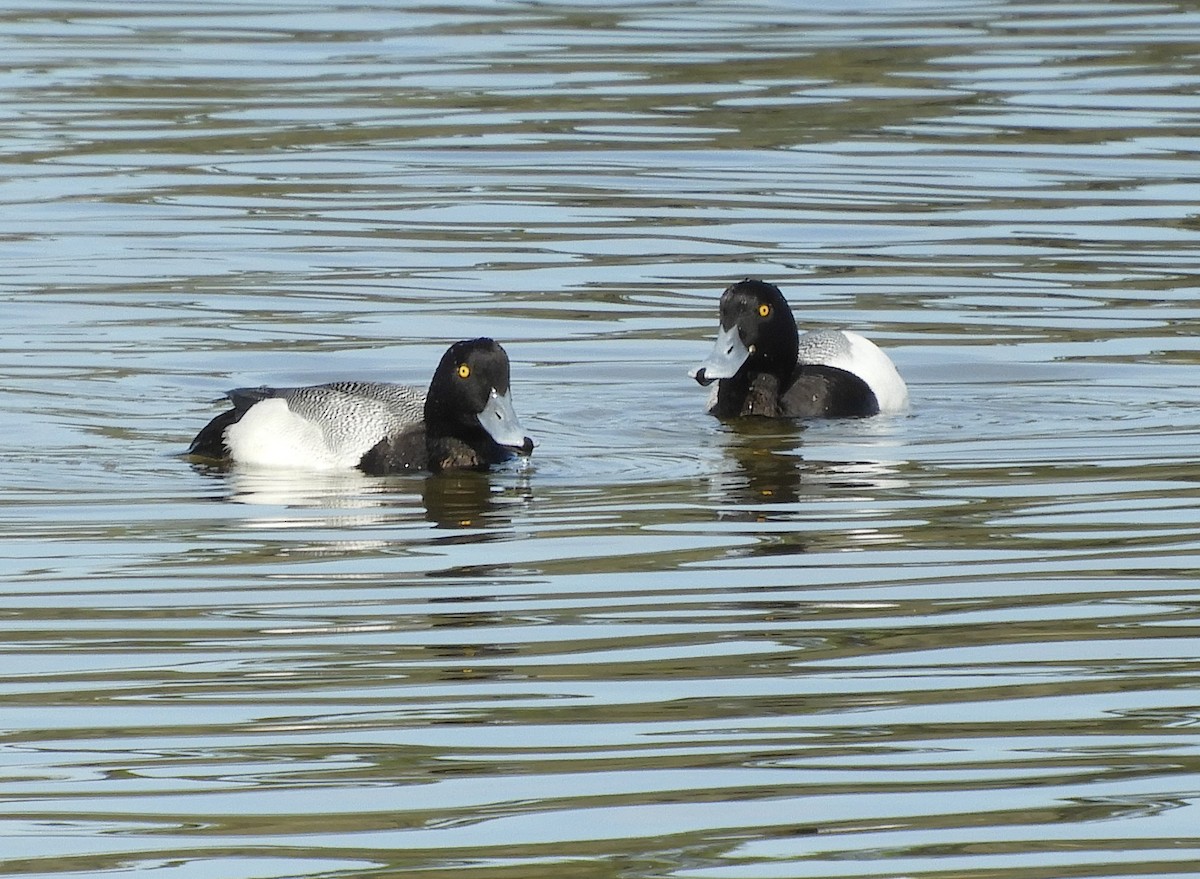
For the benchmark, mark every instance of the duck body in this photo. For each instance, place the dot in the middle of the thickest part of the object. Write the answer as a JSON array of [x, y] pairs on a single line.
[[763, 366], [465, 419]]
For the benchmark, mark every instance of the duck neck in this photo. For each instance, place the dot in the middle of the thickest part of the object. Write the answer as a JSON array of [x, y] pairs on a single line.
[[779, 360], [749, 393], [452, 444]]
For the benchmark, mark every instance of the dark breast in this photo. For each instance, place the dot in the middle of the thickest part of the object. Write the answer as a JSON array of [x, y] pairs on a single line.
[[827, 392], [401, 453]]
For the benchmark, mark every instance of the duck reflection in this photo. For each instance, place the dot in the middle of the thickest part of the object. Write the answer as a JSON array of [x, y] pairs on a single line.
[[767, 454], [465, 499], [338, 489], [780, 493], [457, 499], [771, 469]]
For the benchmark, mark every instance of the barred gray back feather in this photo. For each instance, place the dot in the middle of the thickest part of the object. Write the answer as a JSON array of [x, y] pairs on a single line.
[[823, 347], [355, 415]]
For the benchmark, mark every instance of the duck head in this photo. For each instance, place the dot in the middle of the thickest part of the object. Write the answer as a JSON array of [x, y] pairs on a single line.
[[470, 400], [757, 334]]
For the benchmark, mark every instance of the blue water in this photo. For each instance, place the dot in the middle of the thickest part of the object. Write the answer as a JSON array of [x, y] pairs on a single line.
[[956, 642]]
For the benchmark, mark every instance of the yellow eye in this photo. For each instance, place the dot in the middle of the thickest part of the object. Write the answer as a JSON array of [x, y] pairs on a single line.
[[464, 371], [764, 310]]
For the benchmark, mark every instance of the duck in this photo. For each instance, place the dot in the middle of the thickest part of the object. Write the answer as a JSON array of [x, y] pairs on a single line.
[[465, 420], [763, 365]]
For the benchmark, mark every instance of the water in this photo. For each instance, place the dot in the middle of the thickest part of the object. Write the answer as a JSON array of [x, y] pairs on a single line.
[[960, 642]]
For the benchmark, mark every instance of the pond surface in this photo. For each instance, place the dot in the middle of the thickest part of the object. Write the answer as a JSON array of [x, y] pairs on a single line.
[[958, 642]]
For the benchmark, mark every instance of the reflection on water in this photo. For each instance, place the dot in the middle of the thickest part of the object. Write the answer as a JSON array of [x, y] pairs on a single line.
[[468, 499], [769, 463], [958, 642], [773, 471], [460, 499], [295, 488]]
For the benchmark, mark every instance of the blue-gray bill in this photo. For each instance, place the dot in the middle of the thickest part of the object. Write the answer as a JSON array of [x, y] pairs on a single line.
[[499, 419], [724, 360]]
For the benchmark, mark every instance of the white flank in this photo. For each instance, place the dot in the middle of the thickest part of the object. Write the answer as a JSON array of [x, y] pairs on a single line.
[[859, 356], [272, 435], [869, 363]]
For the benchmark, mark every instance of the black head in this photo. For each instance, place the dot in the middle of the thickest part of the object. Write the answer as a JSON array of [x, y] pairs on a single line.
[[464, 379], [765, 324], [469, 410], [757, 335]]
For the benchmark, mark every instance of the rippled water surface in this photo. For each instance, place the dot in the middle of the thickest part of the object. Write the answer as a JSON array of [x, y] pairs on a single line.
[[957, 642]]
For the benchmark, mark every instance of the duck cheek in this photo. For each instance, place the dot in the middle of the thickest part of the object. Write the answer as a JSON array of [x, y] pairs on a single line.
[[728, 354], [499, 419]]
